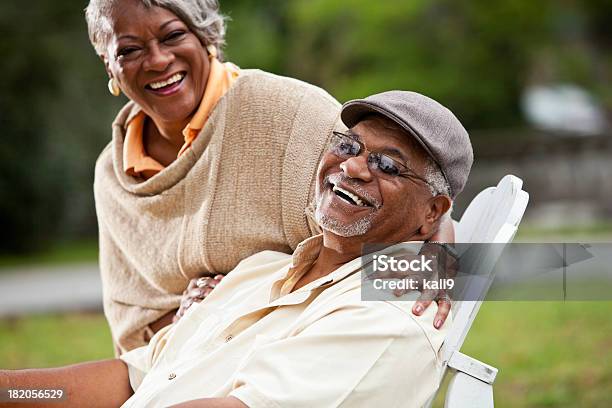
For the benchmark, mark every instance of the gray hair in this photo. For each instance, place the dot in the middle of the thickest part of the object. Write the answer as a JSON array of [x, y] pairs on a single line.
[[437, 183], [201, 16]]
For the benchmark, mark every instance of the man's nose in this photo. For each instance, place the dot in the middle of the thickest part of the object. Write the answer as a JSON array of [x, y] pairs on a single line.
[[357, 168], [157, 58]]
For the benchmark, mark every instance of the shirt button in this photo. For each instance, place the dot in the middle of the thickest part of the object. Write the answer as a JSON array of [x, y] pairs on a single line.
[[172, 376], [229, 338]]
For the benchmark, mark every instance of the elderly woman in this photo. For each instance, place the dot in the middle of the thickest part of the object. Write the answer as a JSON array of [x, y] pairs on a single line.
[[208, 163]]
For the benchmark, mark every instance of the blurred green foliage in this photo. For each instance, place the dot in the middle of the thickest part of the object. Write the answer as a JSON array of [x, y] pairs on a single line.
[[474, 56], [55, 118]]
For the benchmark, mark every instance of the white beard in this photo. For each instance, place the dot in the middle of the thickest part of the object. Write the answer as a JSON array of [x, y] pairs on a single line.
[[357, 227]]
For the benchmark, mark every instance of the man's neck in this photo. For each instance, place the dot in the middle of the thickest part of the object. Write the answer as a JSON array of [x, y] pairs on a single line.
[[331, 257], [335, 252]]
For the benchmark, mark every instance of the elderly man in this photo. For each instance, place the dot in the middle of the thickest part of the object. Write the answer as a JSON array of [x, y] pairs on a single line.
[[293, 331]]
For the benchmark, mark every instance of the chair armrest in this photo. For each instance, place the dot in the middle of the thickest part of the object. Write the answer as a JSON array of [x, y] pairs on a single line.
[[472, 367]]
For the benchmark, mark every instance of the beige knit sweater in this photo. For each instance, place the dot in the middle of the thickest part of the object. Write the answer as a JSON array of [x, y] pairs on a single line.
[[242, 188]]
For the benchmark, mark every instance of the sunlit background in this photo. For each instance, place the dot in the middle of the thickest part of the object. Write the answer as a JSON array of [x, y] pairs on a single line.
[[531, 81]]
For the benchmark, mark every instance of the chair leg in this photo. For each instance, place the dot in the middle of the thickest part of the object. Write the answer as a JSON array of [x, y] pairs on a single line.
[[465, 391]]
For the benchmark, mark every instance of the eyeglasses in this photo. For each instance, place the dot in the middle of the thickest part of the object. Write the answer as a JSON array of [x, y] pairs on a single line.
[[346, 146]]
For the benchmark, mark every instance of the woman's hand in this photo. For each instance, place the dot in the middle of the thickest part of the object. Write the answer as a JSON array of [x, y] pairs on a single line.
[[448, 265], [197, 290]]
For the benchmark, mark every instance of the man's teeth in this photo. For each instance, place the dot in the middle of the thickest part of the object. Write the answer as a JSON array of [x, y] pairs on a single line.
[[174, 78], [356, 200]]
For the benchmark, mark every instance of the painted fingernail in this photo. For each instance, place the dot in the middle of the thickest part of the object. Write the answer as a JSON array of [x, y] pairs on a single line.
[[438, 324], [418, 309]]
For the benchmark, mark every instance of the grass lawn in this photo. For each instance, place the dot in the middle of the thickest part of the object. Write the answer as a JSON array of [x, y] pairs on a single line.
[[597, 232], [550, 354], [47, 341]]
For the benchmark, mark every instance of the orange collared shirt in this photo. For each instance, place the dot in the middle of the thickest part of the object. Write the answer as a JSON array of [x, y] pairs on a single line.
[[136, 161]]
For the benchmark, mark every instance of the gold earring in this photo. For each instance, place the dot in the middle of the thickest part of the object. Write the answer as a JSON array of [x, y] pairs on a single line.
[[212, 51], [113, 87]]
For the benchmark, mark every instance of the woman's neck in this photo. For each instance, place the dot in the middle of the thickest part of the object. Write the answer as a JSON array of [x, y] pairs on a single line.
[[171, 132], [163, 141]]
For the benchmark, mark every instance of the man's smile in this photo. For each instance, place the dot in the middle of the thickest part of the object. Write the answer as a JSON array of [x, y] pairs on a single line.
[[350, 193], [348, 196]]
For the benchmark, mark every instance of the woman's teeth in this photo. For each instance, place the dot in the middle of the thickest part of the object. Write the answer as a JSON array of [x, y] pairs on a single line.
[[173, 79], [346, 194]]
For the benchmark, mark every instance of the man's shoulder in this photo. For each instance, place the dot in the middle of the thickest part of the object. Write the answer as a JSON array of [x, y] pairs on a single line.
[[423, 324], [394, 317]]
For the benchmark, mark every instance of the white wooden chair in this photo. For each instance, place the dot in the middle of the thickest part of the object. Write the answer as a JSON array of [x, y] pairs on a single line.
[[493, 216]]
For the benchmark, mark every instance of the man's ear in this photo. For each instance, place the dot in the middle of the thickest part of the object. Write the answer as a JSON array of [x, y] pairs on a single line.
[[436, 207]]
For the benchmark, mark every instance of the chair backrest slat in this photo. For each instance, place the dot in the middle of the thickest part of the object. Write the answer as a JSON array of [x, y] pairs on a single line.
[[492, 217]]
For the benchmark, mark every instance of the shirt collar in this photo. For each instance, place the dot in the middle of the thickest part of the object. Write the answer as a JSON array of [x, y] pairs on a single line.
[[220, 78], [136, 161], [307, 252]]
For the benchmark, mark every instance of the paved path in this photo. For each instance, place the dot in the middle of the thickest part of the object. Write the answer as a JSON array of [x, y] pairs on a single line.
[[49, 289]]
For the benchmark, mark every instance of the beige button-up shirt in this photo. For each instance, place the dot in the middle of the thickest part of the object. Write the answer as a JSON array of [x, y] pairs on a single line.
[[319, 346]]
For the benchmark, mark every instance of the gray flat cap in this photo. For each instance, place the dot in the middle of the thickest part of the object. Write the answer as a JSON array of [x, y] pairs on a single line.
[[434, 126]]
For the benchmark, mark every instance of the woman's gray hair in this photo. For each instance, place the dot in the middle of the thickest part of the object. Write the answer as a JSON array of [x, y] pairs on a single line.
[[201, 16]]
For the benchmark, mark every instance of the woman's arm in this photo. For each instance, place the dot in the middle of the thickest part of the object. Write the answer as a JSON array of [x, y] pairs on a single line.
[[95, 384]]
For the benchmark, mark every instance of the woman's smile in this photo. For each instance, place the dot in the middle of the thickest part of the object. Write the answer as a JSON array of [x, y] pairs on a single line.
[[168, 86]]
